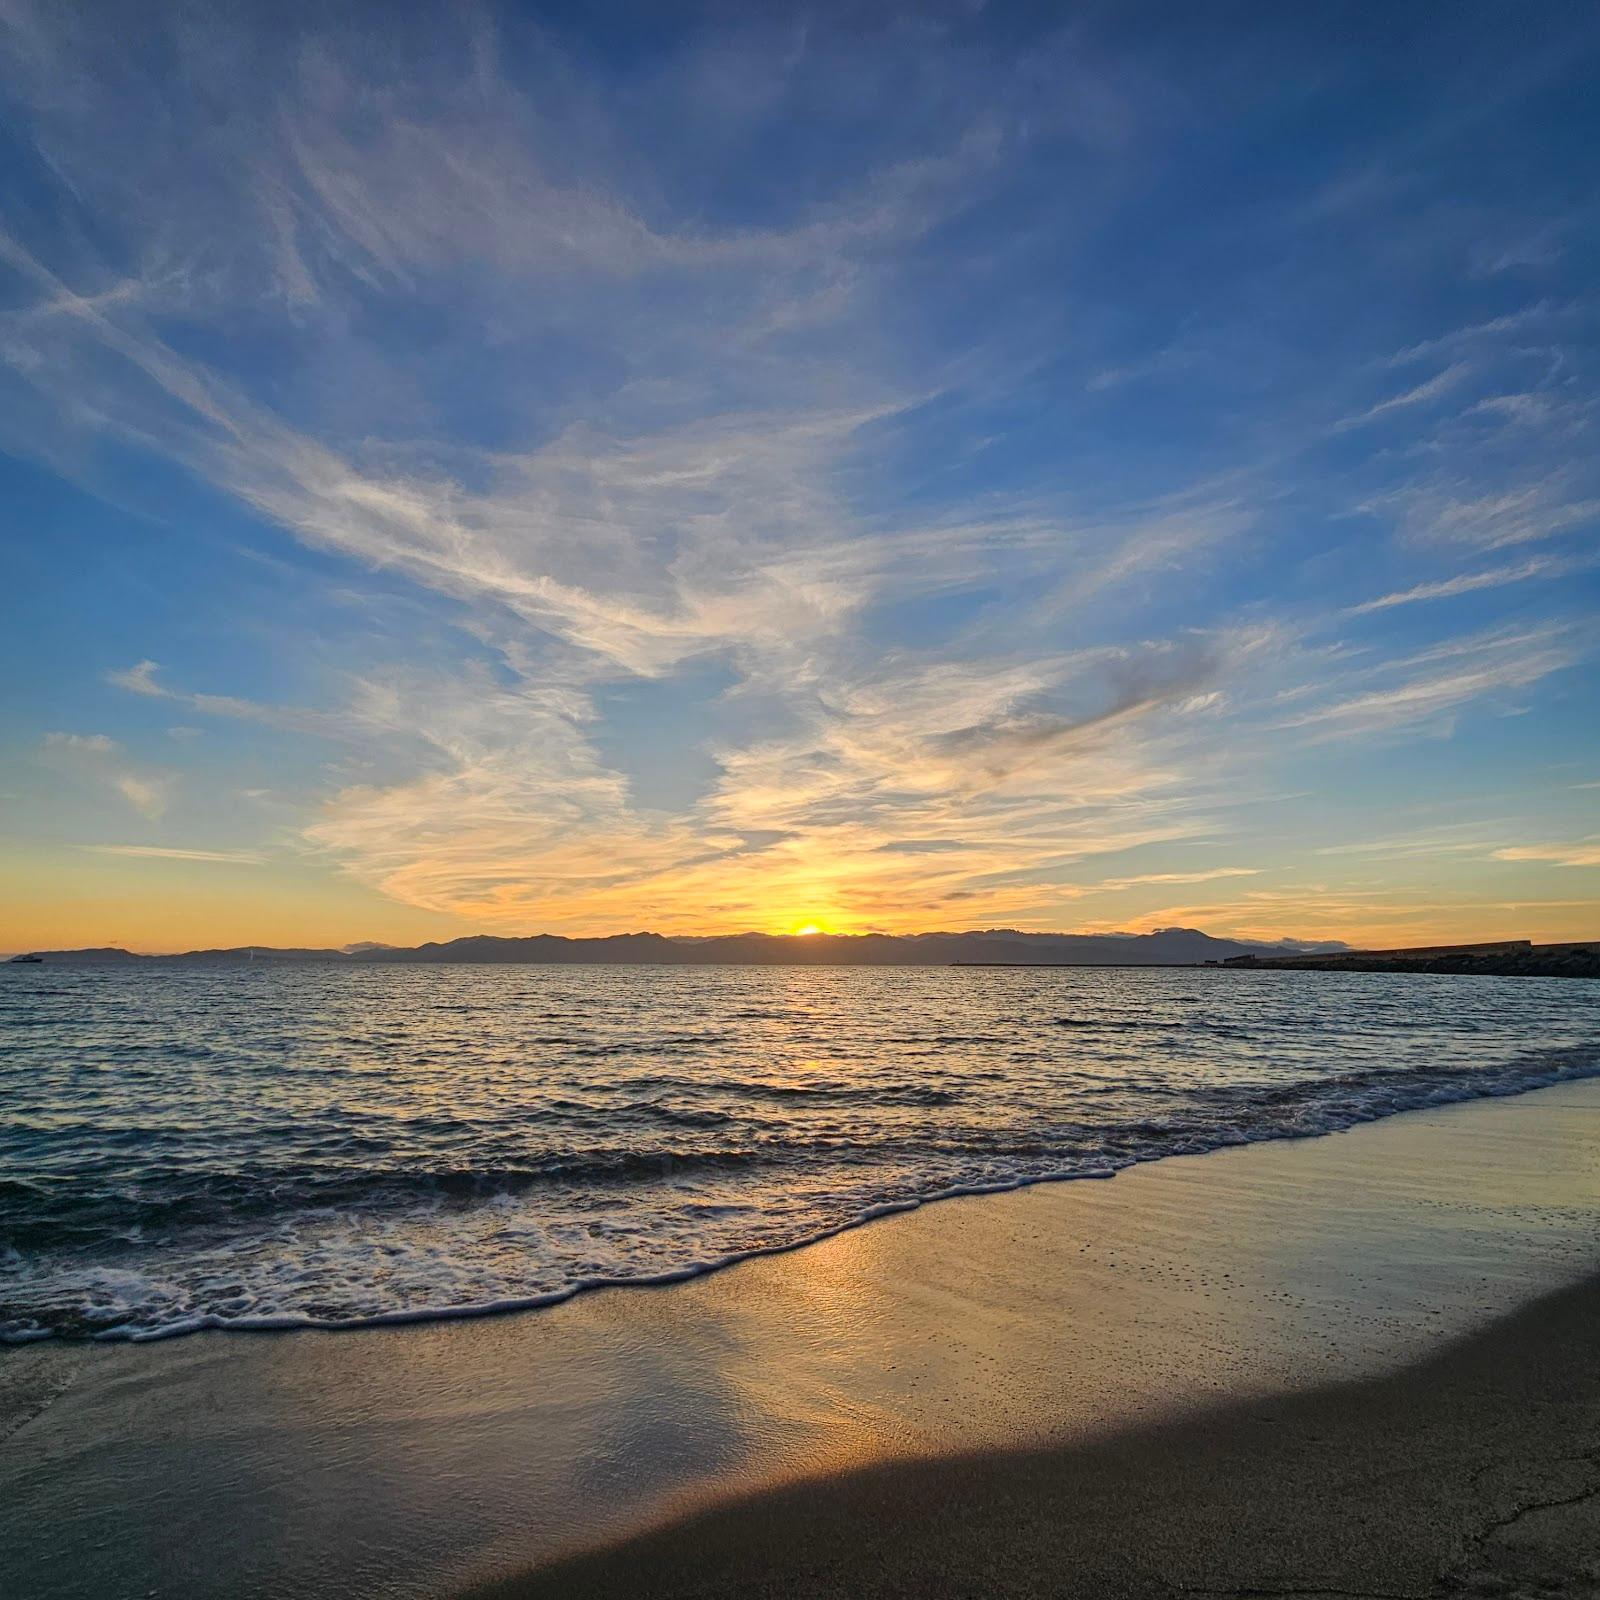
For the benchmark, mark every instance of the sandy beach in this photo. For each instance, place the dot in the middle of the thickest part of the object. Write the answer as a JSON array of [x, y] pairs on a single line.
[[1475, 1472], [1277, 1368]]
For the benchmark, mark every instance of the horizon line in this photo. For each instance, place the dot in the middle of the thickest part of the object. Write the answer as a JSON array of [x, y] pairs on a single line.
[[357, 948]]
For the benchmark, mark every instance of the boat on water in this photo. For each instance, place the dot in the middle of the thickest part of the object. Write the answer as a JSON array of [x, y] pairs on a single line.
[[26, 961]]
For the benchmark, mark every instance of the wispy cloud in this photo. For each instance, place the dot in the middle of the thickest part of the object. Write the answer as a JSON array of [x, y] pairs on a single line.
[[1490, 331], [1439, 682], [102, 760], [1470, 838], [1209, 876], [141, 679], [1452, 512], [233, 858], [1468, 582], [1421, 394], [1174, 358], [1573, 853]]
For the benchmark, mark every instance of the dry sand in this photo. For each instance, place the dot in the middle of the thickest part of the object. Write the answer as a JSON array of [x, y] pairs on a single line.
[[993, 1393]]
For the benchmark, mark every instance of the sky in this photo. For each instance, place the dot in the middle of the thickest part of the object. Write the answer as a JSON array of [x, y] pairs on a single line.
[[576, 469]]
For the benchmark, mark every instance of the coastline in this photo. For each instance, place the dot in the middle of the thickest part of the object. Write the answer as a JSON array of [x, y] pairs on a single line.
[[417, 1460]]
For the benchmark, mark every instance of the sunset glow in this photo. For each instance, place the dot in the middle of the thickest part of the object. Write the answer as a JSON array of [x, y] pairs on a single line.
[[499, 489]]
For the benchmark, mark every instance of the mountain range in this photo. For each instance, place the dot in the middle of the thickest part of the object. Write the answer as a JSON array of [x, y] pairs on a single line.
[[988, 947]]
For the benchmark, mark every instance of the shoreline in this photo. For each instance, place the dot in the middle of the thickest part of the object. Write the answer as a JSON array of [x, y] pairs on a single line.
[[423, 1459], [690, 1271]]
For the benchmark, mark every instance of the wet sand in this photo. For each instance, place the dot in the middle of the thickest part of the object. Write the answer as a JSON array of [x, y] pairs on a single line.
[[1473, 1473], [949, 1394]]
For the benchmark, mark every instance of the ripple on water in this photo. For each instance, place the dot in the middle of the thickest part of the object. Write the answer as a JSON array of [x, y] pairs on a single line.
[[194, 1146]]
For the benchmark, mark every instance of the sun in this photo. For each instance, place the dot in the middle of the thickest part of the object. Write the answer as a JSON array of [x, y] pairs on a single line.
[[806, 929]]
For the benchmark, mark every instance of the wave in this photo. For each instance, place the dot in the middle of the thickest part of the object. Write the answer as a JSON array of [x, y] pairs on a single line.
[[1121, 1024], [935, 1166]]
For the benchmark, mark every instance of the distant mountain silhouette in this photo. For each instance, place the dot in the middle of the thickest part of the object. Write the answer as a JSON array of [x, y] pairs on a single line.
[[989, 947]]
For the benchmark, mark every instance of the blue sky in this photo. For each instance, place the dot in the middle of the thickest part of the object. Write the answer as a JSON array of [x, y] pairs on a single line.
[[524, 468]]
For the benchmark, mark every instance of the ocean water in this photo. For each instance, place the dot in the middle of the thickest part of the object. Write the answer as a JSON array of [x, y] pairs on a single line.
[[188, 1146]]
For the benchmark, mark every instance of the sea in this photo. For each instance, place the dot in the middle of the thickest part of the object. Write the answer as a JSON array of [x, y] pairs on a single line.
[[261, 1145]]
